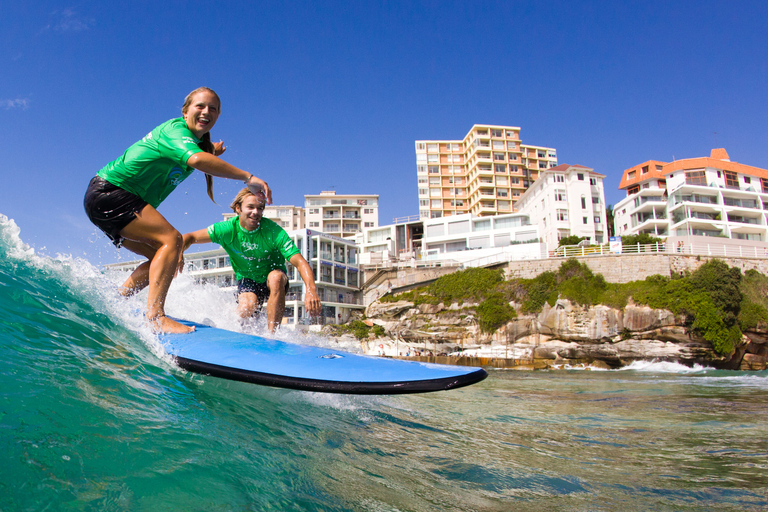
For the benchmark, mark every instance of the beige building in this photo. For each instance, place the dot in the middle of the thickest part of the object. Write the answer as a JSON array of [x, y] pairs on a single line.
[[341, 215], [288, 217], [483, 174]]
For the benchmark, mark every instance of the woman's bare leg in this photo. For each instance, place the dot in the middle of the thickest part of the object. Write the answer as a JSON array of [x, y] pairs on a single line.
[[139, 278], [149, 228]]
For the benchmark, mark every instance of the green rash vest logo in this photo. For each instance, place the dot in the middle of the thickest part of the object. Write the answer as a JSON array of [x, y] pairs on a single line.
[[176, 176]]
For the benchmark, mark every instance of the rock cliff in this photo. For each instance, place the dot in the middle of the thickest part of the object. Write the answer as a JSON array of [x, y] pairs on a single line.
[[563, 334]]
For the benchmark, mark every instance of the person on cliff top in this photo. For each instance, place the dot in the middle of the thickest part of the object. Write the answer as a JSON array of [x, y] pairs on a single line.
[[257, 249], [122, 199]]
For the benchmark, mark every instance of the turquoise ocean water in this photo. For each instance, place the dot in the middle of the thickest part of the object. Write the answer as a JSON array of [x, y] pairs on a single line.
[[93, 416]]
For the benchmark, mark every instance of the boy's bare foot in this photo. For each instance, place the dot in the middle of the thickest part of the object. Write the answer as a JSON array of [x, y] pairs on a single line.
[[169, 326]]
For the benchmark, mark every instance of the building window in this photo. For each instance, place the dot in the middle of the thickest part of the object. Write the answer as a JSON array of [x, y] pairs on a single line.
[[580, 176], [369, 224], [731, 179], [696, 178], [434, 169], [593, 181], [560, 195], [583, 203], [586, 220], [597, 220], [562, 215], [659, 167], [631, 175], [314, 224], [747, 180], [644, 170], [559, 178], [764, 183], [633, 190], [367, 211]]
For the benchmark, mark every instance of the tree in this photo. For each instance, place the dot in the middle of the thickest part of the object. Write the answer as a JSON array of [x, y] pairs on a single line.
[[609, 219]]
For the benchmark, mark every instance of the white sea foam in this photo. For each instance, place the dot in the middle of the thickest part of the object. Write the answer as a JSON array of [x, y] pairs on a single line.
[[663, 367]]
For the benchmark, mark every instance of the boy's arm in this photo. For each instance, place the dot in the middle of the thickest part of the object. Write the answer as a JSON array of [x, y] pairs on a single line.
[[200, 236], [311, 299]]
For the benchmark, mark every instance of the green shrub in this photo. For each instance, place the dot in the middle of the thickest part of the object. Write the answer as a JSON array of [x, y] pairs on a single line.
[[534, 293], [494, 312], [754, 300], [640, 238], [360, 329], [570, 240]]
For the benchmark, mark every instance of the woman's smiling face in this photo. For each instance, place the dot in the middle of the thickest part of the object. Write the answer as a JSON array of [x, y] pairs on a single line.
[[202, 113]]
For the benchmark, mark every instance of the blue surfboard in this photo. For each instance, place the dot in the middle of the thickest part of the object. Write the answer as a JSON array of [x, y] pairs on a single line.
[[248, 358]]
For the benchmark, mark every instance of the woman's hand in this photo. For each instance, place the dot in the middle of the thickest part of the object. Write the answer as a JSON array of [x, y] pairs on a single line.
[[259, 186], [218, 148]]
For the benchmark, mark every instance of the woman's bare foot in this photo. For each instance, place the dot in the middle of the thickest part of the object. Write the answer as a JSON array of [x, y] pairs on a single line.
[[169, 326]]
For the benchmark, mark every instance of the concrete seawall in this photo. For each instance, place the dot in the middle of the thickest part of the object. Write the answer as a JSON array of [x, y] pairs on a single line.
[[632, 267]]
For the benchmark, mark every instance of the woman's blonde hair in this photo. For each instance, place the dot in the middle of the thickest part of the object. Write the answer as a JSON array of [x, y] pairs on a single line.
[[205, 144]]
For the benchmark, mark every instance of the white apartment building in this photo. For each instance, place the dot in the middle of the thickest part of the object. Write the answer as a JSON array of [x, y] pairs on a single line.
[[341, 215], [459, 238], [485, 173], [334, 263], [695, 197], [567, 200]]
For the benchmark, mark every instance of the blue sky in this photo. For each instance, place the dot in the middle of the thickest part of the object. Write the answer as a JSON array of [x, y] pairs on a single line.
[[332, 95]]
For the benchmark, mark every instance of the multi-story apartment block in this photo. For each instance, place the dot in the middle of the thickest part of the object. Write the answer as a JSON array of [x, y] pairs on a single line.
[[484, 174], [288, 217], [341, 215], [706, 196], [567, 200]]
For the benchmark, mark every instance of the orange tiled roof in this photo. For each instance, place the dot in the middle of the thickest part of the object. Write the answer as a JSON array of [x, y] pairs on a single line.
[[639, 177], [718, 159]]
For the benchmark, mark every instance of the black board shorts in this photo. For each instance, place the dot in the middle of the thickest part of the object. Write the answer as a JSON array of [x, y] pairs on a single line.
[[261, 290], [110, 207]]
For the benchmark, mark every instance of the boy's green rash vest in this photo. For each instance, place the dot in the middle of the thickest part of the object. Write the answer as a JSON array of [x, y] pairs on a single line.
[[154, 166], [253, 254]]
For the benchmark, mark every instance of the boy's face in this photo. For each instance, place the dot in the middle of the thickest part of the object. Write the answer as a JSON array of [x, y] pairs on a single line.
[[251, 211]]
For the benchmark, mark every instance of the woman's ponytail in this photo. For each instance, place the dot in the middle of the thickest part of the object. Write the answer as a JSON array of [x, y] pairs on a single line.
[[207, 146]]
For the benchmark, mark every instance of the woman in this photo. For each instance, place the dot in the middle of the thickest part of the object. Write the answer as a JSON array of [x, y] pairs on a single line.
[[122, 199]]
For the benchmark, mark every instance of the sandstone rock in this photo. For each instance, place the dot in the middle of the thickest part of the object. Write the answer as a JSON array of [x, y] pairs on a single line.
[[390, 309]]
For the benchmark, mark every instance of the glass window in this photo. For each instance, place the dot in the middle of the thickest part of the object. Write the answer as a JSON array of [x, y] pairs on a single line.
[[696, 178]]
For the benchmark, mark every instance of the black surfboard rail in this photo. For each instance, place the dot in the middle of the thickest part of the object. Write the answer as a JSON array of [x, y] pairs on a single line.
[[329, 386]]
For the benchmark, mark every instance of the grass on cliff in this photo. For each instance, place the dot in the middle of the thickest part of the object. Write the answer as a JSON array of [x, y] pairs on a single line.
[[716, 300], [359, 330]]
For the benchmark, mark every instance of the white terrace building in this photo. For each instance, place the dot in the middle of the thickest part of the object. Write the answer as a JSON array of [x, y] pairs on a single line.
[[695, 197], [567, 200], [457, 238]]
